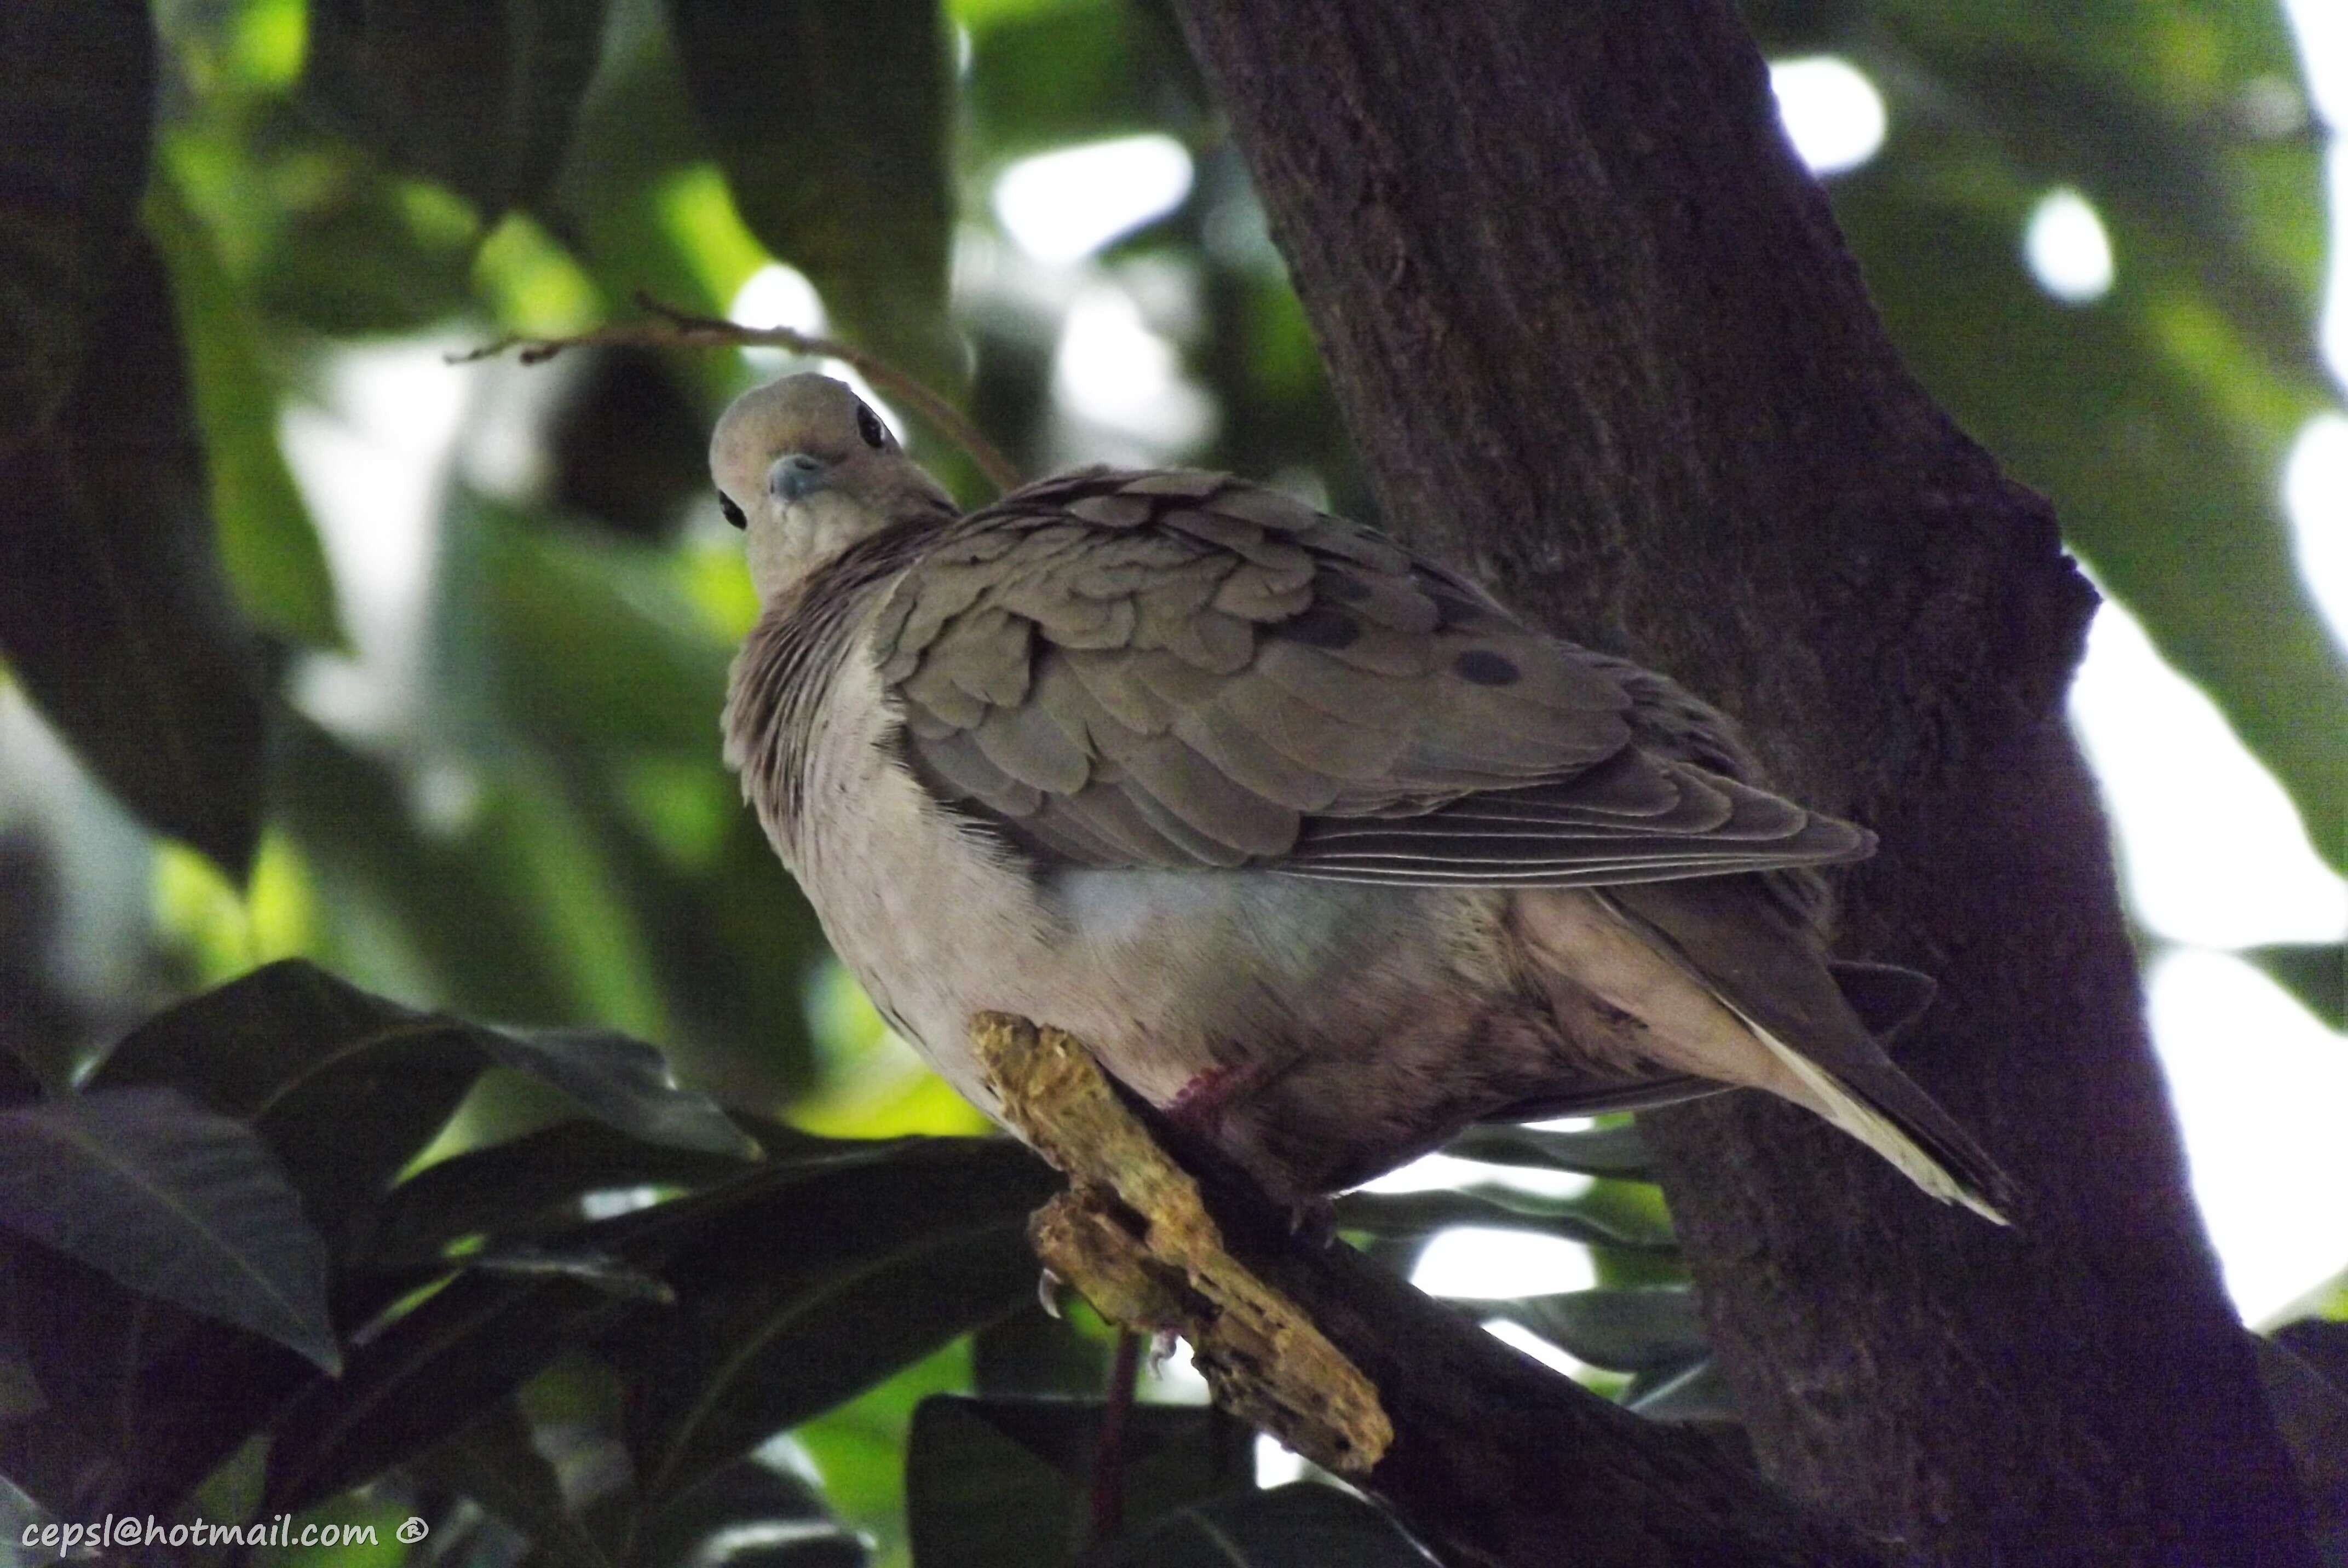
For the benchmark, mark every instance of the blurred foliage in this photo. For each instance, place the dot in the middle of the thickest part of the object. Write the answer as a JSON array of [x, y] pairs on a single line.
[[460, 746]]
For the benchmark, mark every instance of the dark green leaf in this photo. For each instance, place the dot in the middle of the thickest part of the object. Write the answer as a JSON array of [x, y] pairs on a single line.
[[529, 1187], [346, 1086], [76, 105], [145, 1399], [454, 899], [362, 255], [1409, 1215], [575, 641], [589, 1265], [1596, 1151], [806, 1288], [430, 1374], [2320, 1343], [113, 609], [1034, 1352], [478, 97], [472, 1342], [267, 540], [493, 1462], [1696, 1393], [1630, 1329], [349, 1086], [996, 1480], [1079, 73], [2310, 1411], [785, 1521], [623, 1082], [830, 124], [637, 135], [175, 1202], [2314, 972], [1300, 1526]]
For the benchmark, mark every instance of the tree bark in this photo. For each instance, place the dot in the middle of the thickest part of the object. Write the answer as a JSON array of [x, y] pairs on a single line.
[[1596, 334]]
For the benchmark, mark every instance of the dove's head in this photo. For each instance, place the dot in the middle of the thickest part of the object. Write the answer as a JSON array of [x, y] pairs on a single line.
[[805, 468]]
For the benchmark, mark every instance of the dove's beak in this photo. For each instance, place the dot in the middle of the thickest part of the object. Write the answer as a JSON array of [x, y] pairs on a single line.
[[796, 476]]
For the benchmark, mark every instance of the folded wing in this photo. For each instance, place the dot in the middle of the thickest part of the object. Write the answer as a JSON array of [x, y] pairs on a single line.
[[1177, 668]]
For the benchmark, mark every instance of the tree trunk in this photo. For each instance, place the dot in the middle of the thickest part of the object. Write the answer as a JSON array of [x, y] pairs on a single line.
[[1595, 333]]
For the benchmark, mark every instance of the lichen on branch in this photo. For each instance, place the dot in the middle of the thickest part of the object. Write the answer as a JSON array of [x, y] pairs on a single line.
[[1132, 1233]]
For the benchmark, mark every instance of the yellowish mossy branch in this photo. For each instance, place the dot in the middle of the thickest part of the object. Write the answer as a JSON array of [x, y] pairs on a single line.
[[672, 328], [1132, 1233]]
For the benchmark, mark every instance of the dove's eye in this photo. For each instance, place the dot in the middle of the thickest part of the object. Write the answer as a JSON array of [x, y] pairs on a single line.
[[733, 513], [869, 425]]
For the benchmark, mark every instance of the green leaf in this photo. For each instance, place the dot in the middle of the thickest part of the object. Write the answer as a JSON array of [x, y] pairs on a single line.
[[1079, 73], [1595, 1151], [747, 1499], [1401, 1216], [529, 1187], [493, 1462], [623, 1084], [149, 1396], [806, 1231], [812, 1290], [576, 642], [2310, 1410], [267, 540], [478, 97], [175, 1202], [76, 105], [349, 1086], [113, 609], [2314, 972], [427, 1375], [365, 253], [995, 1481], [641, 194], [1630, 1329], [1693, 1393], [1035, 1352], [464, 903], [829, 122], [1300, 1526]]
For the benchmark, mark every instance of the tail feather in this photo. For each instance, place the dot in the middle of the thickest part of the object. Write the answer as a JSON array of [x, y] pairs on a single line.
[[1776, 983], [1902, 1123]]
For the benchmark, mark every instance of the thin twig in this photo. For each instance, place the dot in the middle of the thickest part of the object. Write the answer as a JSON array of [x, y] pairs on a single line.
[[672, 328], [1109, 1452]]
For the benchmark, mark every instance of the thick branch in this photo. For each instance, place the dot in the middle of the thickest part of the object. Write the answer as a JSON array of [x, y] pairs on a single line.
[[1594, 331], [1490, 1456]]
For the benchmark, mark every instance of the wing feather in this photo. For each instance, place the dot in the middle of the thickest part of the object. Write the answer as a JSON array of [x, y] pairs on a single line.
[[1178, 669]]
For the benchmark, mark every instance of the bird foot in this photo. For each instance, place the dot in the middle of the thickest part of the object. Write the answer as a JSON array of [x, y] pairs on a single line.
[[1314, 1221]]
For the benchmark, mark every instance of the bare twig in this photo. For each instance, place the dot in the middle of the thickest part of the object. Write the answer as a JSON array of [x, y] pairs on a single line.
[[672, 328]]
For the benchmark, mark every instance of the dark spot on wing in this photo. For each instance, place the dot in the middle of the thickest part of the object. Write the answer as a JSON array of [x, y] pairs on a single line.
[[1486, 668], [1343, 590], [1323, 625]]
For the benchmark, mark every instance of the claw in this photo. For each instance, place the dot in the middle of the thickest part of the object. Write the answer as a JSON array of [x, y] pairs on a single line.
[[1162, 1349], [1049, 1287]]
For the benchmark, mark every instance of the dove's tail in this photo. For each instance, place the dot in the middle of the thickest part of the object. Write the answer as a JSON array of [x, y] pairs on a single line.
[[1718, 991], [1903, 1124]]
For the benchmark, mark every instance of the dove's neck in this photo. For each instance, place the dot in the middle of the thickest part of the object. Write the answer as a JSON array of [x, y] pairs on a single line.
[[788, 664], [814, 532]]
